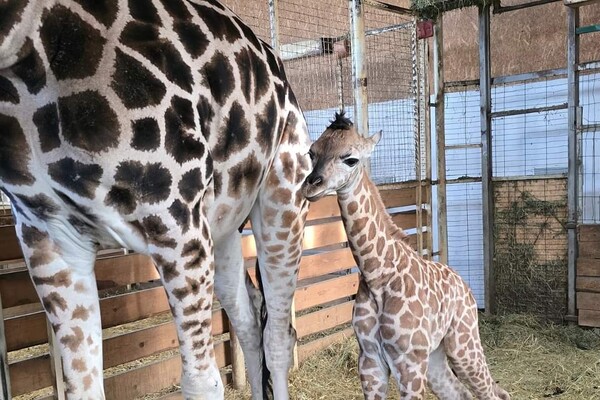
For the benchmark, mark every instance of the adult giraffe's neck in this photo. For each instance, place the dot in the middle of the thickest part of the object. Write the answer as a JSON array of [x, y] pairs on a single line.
[[373, 237]]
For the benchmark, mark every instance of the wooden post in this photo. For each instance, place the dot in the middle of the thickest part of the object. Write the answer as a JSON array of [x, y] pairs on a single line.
[[440, 134], [486, 158], [56, 364], [4, 371], [238, 369]]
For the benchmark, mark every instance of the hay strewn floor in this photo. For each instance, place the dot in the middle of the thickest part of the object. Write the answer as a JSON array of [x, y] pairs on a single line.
[[531, 360]]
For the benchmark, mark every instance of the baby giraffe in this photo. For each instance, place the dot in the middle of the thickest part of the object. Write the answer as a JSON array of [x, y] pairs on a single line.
[[412, 317]]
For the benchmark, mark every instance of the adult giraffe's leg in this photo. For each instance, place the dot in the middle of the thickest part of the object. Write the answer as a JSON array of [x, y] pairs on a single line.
[[278, 224], [442, 380], [184, 258], [233, 290], [61, 264]]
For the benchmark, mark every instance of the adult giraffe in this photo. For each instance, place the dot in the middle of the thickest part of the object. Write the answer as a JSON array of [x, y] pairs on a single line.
[[157, 126]]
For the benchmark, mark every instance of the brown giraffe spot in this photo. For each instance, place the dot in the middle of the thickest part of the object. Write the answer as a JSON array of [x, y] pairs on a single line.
[[288, 166], [157, 232], [367, 250], [365, 325], [75, 340], [234, 134], [361, 240], [372, 231], [186, 326], [88, 121], [146, 134], [168, 268], [275, 248], [87, 381], [253, 75], [288, 218], [79, 365], [181, 214], [196, 250], [380, 244], [194, 40], [145, 38], [46, 122], [282, 196], [387, 332], [81, 313], [244, 176], [8, 92], [135, 85], [14, 153], [358, 225], [201, 305], [282, 235], [62, 278], [190, 184], [53, 302], [217, 75], [30, 68], [352, 207], [266, 124], [80, 287], [180, 140], [221, 26]]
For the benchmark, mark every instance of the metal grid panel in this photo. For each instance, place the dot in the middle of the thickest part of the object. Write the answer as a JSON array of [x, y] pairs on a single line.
[[321, 81], [392, 93], [464, 204], [589, 195], [530, 128], [255, 14], [530, 260]]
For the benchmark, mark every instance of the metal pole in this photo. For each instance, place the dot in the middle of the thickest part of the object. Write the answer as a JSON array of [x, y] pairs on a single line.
[[418, 106], [428, 170], [359, 67], [440, 134], [486, 158], [572, 200], [274, 21]]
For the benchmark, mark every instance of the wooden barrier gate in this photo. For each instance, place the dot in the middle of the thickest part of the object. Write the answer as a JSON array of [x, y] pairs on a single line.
[[140, 341], [588, 275]]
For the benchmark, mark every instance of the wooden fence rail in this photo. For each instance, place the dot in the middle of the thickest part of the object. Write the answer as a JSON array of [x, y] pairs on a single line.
[[138, 328]]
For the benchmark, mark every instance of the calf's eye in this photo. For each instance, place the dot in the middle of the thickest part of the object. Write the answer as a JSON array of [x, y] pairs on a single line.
[[351, 162]]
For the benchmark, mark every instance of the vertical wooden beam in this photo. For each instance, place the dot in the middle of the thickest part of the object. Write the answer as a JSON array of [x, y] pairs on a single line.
[[486, 157], [428, 161], [56, 364], [4, 371], [238, 369], [359, 66], [573, 167], [440, 134]]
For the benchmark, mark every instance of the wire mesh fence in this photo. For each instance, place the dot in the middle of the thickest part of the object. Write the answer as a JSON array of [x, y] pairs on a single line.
[[589, 189]]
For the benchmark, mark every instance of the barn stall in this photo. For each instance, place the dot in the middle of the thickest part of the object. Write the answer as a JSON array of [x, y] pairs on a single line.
[[488, 161]]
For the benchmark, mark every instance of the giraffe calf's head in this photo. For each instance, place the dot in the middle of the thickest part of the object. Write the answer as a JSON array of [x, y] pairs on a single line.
[[337, 156]]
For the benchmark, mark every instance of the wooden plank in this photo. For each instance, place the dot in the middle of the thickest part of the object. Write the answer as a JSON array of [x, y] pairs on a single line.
[[589, 249], [322, 320], [399, 197], [30, 374], [125, 270], [406, 220], [589, 233], [155, 376], [589, 318], [16, 287], [588, 266], [327, 207], [325, 263], [588, 284], [310, 348], [326, 291], [10, 249], [143, 380], [314, 237], [588, 301]]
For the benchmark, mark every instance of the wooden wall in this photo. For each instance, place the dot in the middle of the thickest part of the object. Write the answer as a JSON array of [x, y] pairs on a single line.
[[140, 340], [588, 275]]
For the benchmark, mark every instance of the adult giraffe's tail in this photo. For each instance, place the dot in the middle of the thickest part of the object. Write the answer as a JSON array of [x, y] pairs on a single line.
[[260, 311]]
